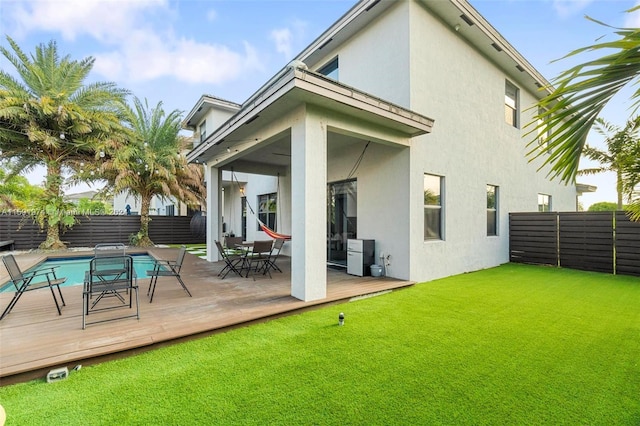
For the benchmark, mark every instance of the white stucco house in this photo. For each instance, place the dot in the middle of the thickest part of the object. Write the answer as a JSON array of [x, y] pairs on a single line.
[[402, 123]]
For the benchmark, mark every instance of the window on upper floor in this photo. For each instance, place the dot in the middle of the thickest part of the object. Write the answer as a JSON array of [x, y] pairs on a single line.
[[492, 210], [330, 69], [544, 203], [267, 210], [433, 186], [203, 130], [544, 137], [511, 104]]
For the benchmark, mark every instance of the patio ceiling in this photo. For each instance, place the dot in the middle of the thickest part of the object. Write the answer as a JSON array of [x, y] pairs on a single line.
[[296, 87]]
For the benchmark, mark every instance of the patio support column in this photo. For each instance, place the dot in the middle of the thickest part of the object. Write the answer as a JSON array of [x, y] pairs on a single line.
[[213, 178], [308, 207]]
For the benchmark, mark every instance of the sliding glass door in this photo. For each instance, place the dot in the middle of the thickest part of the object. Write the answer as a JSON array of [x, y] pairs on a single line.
[[342, 219]]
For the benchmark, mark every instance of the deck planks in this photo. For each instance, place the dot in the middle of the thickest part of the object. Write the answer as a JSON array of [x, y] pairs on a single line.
[[34, 338]]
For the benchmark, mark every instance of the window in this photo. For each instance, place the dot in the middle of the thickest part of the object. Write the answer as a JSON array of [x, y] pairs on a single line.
[[511, 104], [433, 207], [544, 203], [203, 130], [331, 69], [267, 210], [492, 210], [543, 137]]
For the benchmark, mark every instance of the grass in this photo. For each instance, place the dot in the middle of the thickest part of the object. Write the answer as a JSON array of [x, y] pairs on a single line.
[[510, 345]]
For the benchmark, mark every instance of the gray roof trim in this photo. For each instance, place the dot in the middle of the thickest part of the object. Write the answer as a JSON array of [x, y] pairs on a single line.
[[317, 85], [207, 101]]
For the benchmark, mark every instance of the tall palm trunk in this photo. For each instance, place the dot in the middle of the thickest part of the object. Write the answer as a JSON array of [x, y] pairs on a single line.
[[52, 193], [143, 235]]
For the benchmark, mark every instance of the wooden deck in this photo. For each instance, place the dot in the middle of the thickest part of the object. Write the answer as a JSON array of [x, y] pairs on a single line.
[[34, 338]]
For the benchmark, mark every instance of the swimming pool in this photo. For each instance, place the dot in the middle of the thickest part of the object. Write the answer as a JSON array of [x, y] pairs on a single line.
[[73, 268]]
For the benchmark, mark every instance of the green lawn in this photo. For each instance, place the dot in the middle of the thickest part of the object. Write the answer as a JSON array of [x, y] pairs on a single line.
[[510, 345]]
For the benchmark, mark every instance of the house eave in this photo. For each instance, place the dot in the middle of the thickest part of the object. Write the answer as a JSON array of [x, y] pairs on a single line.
[[303, 86], [582, 188], [200, 109]]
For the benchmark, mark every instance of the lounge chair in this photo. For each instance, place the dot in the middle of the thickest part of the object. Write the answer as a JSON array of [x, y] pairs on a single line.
[[109, 249], [231, 261], [35, 280], [167, 268], [105, 282]]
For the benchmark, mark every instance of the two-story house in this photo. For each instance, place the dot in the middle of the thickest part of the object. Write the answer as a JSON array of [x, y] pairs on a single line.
[[402, 123]]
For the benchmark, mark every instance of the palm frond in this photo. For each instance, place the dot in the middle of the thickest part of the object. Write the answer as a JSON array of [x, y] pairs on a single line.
[[580, 94]]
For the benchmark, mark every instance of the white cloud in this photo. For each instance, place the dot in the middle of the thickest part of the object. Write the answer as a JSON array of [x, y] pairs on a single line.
[[212, 15], [632, 20], [283, 39], [130, 48], [566, 8], [106, 21], [147, 56]]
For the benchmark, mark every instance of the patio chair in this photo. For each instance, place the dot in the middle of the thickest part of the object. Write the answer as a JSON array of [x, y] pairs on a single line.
[[231, 261], [108, 277], [231, 245], [277, 247], [260, 255], [167, 268], [28, 281]]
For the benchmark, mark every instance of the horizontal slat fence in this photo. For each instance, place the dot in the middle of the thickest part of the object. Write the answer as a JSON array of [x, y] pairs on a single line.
[[533, 238], [95, 229], [586, 241], [627, 245], [591, 241]]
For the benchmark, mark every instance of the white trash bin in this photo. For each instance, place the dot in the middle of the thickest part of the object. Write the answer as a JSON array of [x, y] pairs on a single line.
[[376, 270]]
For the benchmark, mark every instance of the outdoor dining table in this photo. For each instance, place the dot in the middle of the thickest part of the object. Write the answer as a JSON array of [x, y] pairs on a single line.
[[246, 247], [262, 255]]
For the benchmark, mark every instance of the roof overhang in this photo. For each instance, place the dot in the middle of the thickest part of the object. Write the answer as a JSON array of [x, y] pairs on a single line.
[[459, 15], [204, 104], [298, 86], [477, 31], [582, 188]]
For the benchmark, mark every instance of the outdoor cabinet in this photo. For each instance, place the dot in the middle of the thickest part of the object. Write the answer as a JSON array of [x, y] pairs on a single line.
[[360, 257]]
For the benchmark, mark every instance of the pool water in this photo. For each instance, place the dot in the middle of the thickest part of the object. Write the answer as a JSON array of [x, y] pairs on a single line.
[[73, 268]]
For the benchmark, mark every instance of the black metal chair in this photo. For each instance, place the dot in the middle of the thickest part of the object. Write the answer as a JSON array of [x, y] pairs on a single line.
[[167, 268], [260, 255], [28, 281], [277, 247], [231, 261], [231, 245], [108, 277]]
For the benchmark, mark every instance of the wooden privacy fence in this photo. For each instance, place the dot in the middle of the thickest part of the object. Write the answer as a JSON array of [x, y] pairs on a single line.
[[591, 241], [95, 229]]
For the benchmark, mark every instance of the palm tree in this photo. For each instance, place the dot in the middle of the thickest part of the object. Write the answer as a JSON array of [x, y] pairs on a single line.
[[569, 111], [50, 117], [619, 155], [152, 163]]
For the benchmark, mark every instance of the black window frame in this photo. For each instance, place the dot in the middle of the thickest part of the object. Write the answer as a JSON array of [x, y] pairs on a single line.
[[268, 210], [433, 210], [493, 203]]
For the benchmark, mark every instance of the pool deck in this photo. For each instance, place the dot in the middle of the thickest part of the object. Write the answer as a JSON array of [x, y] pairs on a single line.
[[35, 339]]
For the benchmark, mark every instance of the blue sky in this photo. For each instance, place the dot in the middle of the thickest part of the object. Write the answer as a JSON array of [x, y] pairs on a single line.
[[175, 51]]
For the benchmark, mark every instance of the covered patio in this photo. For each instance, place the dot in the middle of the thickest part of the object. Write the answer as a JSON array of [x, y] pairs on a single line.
[[310, 130], [35, 339]]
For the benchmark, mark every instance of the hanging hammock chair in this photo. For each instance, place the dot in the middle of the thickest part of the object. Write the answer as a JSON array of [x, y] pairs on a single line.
[[270, 232]]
